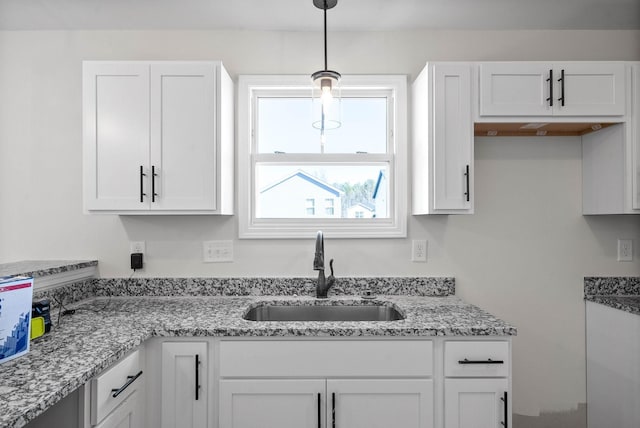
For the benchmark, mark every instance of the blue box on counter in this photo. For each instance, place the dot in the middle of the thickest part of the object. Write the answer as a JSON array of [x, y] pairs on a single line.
[[16, 293]]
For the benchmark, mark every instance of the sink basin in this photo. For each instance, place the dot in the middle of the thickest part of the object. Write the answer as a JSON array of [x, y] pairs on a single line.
[[271, 312]]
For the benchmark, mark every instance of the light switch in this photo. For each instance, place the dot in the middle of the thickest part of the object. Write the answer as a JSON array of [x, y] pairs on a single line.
[[217, 251]]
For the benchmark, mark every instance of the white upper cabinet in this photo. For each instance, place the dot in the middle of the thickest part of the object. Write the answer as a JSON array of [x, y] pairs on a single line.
[[443, 140], [552, 89], [115, 135], [158, 138], [611, 160]]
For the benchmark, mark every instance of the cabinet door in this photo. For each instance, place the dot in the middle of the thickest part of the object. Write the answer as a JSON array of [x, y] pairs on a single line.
[[127, 415], [452, 138], [476, 403], [589, 89], [252, 403], [183, 154], [515, 89], [613, 368], [184, 384], [115, 135], [368, 403], [635, 136]]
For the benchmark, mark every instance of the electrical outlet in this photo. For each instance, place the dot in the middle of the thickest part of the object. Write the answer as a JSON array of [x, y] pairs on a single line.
[[625, 250], [419, 250], [217, 251], [136, 247]]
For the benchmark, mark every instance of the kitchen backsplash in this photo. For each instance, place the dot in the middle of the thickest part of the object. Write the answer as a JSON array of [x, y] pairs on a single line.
[[418, 286]]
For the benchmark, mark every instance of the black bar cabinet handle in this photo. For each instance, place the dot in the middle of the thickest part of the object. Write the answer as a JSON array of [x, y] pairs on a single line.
[[142, 175], [153, 183], [197, 376], [319, 410], [561, 80], [130, 380], [333, 410], [550, 80], [505, 423], [466, 175], [487, 361]]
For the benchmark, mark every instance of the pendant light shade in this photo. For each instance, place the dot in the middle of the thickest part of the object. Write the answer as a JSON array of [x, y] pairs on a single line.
[[326, 85]]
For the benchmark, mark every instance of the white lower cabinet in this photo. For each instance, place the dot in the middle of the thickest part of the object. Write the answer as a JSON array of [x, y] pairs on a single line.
[[477, 384], [282, 403], [185, 386], [326, 383], [117, 394], [475, 403], [127, 415], [300, 403], [380, 403], [613, 367]]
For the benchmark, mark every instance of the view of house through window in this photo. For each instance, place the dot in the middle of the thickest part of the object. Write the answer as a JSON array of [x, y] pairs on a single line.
[[300, 182], [322, 191]]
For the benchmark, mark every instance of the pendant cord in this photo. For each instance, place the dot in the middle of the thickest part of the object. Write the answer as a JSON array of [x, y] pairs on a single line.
[[325, 35]]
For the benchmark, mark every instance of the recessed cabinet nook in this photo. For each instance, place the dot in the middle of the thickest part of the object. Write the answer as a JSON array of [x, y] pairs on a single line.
[[598, 101], [412, 382], [157, 137]]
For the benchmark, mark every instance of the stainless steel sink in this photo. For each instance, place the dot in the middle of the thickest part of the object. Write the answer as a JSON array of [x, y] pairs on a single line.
[[271, 312]]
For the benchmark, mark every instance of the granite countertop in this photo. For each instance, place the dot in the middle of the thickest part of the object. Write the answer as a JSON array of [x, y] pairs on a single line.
[[40, 268], [103, 330], [621, 293]]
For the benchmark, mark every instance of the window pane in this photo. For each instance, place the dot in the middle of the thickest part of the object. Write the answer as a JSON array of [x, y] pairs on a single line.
[[284, 125], [322, 191]]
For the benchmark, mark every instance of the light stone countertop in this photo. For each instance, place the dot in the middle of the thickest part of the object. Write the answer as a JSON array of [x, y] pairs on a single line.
[[621, 293], [40, 268], [103, 330]]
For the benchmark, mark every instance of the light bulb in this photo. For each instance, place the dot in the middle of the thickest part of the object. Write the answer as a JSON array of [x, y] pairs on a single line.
[[326, 97]]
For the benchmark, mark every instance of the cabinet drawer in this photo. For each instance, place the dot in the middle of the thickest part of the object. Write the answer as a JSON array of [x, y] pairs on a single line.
[[124, 377], [324, 358], [476, 359]]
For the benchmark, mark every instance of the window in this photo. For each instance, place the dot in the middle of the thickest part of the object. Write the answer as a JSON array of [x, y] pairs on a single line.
[[328, 207], [352, 183], [311, 207]]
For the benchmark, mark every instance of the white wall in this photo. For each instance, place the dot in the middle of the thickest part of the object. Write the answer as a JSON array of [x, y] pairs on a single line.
[[522, 256]]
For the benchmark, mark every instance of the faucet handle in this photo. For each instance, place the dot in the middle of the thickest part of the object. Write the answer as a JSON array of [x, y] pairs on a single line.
[[331, 279]]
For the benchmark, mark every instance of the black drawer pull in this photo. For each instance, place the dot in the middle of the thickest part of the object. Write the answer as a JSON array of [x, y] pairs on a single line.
[[197, 377], [130, 380], [505, 423], [467, 194], [319, 410], [561, 80], [333, 410], [153, 183], [487, 361], [142, 176], [550, 80]]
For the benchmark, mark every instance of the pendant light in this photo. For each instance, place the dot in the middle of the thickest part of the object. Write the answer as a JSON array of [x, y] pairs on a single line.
[[326, 86]]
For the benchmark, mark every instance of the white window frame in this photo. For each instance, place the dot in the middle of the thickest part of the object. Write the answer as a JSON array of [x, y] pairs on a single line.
[[395, 226]]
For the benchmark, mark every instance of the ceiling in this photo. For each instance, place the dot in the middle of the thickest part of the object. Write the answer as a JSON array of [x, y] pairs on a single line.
[[301, 15]]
